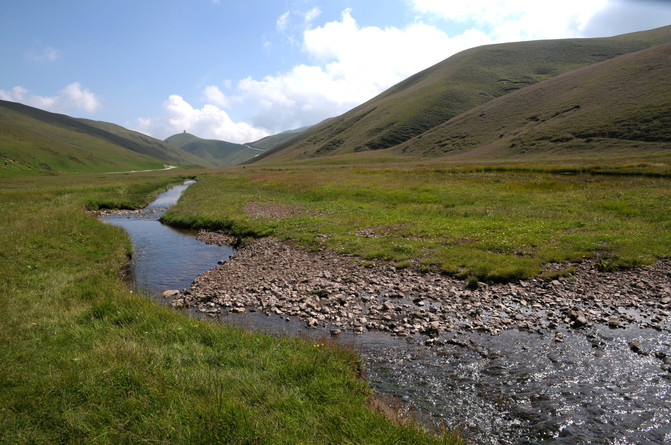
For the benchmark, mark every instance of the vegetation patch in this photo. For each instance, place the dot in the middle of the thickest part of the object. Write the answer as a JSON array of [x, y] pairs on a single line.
[[84, 360], [489, 224]]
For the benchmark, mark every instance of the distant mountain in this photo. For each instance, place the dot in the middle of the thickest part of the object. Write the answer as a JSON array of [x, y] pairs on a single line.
[[269, 142], [34, 141], [460, 83], [619, 107], [214, 152]]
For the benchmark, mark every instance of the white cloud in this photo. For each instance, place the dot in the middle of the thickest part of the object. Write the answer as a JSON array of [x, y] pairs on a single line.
[[215, 96], [351, 64], [72, 98], [48, 54], [348, 64], [282, 22], [208, 122], [512, 20], [311, 15]]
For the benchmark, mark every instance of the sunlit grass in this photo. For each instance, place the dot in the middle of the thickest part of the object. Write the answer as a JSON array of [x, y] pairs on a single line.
[[495, 225]]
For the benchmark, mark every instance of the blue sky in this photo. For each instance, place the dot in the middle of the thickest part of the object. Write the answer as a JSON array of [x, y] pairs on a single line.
[[240, 70]]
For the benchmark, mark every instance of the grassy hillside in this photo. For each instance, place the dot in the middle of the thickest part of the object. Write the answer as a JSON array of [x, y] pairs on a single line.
[[214, 152], [271, 141], [34, 141], [617, 109], [452, 87]]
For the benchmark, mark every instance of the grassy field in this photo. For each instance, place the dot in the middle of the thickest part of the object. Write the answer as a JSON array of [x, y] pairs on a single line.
[[84, 360], [493, 225]]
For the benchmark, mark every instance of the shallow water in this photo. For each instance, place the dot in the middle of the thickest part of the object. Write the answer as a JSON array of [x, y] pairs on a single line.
[[163, 257], [515, 388]]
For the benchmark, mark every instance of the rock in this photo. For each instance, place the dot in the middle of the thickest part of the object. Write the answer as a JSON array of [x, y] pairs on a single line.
[[177, 303], [458, 342], [613, 322], [577, 318], [635, 346], [335, 332], [559, 337], [170, 293], [273, 276]]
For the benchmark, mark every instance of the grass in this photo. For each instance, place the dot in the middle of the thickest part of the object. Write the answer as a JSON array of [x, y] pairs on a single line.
[[84, 360], [34, 141], [491, 225]]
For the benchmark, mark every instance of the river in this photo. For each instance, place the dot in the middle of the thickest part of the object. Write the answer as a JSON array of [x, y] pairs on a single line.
[[513, 388]]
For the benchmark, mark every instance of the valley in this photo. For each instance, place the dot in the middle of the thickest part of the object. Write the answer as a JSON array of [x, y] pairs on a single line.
[[498, 224]]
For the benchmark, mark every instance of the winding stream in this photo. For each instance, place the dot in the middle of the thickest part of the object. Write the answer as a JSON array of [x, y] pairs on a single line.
[[514, 388]]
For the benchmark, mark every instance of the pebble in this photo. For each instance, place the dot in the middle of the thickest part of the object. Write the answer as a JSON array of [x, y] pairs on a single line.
[[322, 287]]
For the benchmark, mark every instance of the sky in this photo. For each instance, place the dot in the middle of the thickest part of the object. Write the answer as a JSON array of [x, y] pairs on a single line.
[[241, 70]]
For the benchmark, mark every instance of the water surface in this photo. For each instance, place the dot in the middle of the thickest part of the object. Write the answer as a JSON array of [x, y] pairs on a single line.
[[515, 388], [163, 257]]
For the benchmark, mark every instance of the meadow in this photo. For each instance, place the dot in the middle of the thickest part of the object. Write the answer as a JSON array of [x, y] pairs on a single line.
[[477, 223], [85, 360]]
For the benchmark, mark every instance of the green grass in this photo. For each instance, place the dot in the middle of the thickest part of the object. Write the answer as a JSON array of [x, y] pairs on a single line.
[[492, 225], [36, 142], [214, 152], [84, 360]]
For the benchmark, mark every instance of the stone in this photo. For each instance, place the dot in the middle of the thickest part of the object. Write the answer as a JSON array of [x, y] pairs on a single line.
[[635, 346], [170, 293], [274, 276], [388, 306], [613, 322]]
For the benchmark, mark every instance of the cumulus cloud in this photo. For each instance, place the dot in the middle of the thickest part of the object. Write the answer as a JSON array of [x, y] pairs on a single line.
[[351, 64], [512, 20], [347, 64], [73, 98], [210, 122], [215, 96]]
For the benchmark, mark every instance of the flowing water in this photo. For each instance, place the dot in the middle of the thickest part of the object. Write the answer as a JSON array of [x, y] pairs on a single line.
[[164, 257], [514, 388]]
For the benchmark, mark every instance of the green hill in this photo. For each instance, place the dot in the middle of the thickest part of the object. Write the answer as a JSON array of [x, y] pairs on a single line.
[[454, 86], [214, 152], [617, 108], [269, 142], [34, 141]]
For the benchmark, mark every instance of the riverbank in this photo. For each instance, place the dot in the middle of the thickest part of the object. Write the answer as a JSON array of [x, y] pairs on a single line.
[[344, 293], [85, 360]]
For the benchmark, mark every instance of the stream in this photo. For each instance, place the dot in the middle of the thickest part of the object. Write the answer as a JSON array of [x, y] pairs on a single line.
[[513, 388]]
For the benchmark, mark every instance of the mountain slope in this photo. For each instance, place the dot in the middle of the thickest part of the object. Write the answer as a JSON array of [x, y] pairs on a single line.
[[34, 141], [269, 142], [214, 152], [619, 105], [449, 88]]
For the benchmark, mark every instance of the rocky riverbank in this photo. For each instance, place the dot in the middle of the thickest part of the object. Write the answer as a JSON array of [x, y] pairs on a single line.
[[341, 292]]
